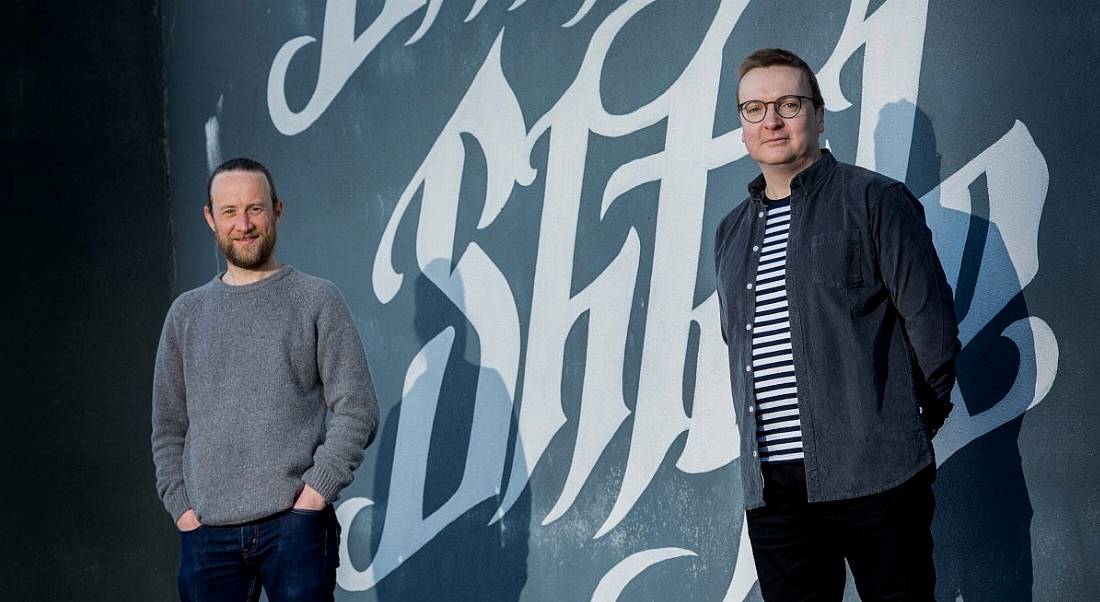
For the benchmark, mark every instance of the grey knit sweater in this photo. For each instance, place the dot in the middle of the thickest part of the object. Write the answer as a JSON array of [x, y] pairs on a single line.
[[244, 375]]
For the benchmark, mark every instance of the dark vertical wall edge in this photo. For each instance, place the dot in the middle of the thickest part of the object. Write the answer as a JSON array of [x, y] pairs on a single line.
[[88, 242]]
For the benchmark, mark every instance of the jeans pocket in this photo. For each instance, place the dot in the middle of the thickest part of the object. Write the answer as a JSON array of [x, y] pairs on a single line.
[[836, 258], [309, 513]]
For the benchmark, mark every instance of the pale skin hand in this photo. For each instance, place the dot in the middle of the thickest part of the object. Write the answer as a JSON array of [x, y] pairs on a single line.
[[309, 499], [188, 521]]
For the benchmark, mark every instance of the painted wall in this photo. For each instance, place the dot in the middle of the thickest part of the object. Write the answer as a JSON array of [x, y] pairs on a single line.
[[518, 200]]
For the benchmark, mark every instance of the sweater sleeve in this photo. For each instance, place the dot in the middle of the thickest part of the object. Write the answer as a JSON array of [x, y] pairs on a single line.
[[349, 394], [918, 287], [169, 419]]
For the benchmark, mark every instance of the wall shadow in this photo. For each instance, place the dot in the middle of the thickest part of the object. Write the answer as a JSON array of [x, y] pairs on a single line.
[[471, 557], [982, 528], [87, 242]]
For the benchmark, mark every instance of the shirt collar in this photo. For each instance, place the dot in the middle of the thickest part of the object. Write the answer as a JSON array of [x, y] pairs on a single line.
[[805, 178]]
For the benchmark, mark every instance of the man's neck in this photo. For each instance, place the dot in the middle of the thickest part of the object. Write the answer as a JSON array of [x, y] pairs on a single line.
[[237, 276], [778, 178]]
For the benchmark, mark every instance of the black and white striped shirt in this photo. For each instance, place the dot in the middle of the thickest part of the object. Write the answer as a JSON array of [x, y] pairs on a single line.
[[778, 431]]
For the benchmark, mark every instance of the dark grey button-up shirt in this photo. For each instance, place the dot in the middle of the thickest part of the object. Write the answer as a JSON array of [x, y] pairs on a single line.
[[873, 330]]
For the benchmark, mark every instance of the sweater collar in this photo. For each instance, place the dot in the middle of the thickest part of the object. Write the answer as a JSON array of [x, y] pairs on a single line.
[[278, 275]]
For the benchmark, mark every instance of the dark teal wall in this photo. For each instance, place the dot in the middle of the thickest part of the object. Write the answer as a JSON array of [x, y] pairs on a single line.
[[580, 316]]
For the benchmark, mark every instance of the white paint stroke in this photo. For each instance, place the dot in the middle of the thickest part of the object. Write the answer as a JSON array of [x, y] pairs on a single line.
[[213, 138], [611, 586], [744, 572]]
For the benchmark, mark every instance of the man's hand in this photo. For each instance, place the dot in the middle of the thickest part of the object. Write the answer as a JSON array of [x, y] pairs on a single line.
[[309, 499], [188, 521]]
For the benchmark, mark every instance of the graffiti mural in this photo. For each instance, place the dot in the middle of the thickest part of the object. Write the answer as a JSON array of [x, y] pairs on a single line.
[[519, 200]]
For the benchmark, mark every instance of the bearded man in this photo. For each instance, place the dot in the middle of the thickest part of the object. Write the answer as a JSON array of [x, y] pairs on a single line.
[[248, 366]]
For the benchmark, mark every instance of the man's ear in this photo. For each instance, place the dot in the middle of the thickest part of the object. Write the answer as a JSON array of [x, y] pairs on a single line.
[[209, 217], [278, 209]]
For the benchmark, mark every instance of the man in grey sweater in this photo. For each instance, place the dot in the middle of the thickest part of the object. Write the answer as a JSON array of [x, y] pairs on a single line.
[[248, 365]]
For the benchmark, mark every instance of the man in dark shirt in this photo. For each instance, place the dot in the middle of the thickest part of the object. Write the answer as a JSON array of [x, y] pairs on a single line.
[[842, 338]]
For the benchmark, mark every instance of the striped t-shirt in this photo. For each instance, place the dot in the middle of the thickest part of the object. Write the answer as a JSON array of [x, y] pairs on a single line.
[[778, 431]]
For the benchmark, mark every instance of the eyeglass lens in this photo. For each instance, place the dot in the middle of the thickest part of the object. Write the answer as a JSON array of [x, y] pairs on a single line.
[[785, 106]]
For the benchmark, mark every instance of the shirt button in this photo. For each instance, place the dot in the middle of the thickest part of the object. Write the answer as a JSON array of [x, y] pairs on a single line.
[[754, 453], [752, 409], [749, 286], [756, 247], [761, 214], [748, 368], [748, 326]]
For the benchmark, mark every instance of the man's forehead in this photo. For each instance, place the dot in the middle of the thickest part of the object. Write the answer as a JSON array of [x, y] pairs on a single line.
[[239, 186], [776, 78]]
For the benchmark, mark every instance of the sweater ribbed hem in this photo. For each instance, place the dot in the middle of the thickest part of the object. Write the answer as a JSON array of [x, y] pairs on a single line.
[[176, 505], [323, 482]]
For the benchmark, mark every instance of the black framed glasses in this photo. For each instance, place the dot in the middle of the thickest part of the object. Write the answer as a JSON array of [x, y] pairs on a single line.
[[754, 111]]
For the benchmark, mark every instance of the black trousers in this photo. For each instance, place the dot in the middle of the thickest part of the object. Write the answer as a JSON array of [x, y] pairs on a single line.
[[800, 548]]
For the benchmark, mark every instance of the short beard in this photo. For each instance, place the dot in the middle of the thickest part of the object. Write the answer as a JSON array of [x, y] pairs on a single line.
[[248, 261]]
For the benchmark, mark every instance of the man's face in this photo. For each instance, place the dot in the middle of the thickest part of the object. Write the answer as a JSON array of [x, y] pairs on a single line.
[[786, 143], [243, 218]]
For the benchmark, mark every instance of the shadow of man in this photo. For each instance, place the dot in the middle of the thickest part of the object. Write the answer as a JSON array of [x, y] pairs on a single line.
[[982, 529], [443, 453]]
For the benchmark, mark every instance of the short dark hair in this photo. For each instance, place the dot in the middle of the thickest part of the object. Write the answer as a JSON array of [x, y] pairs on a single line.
[[240, 164], [773, 57]]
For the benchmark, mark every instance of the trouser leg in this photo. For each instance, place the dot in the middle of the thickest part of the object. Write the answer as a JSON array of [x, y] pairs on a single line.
[[301, 555], [212, 567], [888, 541], [796, 559]]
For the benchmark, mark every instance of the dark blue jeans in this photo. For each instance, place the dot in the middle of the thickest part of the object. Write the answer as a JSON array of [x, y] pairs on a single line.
[[293, 555]]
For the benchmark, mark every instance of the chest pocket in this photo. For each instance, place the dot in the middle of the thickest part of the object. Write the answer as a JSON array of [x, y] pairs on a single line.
[[836, 258]]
